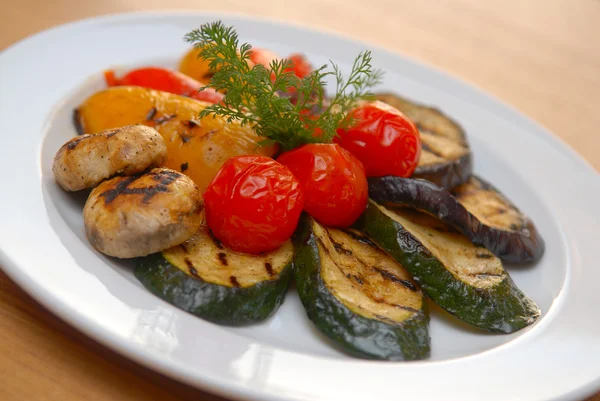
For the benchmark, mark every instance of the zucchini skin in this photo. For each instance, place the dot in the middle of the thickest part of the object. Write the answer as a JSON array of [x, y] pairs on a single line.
[[524, 246], [502, 308], [357, 335], [232, 306]]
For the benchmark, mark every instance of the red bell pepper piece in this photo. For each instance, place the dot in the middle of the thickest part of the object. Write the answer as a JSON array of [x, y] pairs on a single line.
[[165, 80]]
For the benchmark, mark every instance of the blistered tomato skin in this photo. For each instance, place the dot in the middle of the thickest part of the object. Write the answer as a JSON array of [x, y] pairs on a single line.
[[334, 182], [253, 204], [383, 139]]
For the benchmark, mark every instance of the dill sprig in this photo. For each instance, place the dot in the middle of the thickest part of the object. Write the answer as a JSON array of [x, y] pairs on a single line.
[[253, 93]]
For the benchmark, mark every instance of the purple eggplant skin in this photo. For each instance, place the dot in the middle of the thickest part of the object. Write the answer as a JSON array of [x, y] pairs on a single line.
[[447, 175], [519, 244]]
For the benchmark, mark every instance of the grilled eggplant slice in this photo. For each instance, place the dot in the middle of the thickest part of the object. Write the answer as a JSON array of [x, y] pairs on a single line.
[[205, 278], [475, 208], [445, 154], [359, 296], [466, 280]]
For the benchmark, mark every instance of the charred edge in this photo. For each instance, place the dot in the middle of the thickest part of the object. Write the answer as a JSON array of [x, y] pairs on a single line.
[[191, 267], [74, 142], [234, 281], [269, 269], [216, 241], [222, 258], [164, 178], [184, 167], [164, 119], [151, 114], [484, 256], [111, 133], [77, 122], [389, 276], [191, 123]]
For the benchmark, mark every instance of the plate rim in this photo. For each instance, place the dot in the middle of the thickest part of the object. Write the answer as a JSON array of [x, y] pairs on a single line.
[[98, 332]]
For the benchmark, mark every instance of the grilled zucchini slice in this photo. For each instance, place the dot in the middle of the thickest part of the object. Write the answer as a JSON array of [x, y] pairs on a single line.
[[475, 208], [445, 154], [358, 296], [466, 280], [205, 278]]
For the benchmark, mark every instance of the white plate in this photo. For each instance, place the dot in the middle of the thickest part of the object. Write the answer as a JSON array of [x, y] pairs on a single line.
[[43, 246]]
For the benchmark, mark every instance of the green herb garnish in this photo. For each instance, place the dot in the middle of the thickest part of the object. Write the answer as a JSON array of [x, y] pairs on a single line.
[[253, 94]]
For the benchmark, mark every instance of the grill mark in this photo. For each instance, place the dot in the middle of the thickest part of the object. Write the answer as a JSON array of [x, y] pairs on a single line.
[[215, 240], [428, 148], [184, 167], [210, 133], [191, 123], [389, 276], [483, 256], [355, 277], [424, 129], [269, 269], [164, 119], [77, 122], [222, 258], [358, 237], [485, 275], [74, 142], [111, 133], [234, 281], [339, 247], [164, 178], [151, 113], [191, 267]]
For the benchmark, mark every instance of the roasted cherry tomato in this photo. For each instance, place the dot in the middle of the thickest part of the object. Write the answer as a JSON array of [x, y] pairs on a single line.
[[300, 65], [334, 182], [383, 139], [165, 80], [253, 204]]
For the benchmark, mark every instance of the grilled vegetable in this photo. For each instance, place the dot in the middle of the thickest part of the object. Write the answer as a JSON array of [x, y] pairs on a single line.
[[475, 208], [357, 295], [87, 160], [195, 147], [466, 280], [205, 278], [445, 154], [128, 217]]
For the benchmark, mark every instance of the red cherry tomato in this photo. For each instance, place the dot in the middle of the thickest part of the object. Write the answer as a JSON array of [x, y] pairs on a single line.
[[165, 80], [334, 181], [300, 65], [253, 204], [383, 139]]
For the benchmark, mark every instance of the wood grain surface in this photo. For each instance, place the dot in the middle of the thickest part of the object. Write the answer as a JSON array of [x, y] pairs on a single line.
[[541, 56]]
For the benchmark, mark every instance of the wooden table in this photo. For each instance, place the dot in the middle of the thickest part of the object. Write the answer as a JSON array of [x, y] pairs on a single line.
[[541, 56]]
